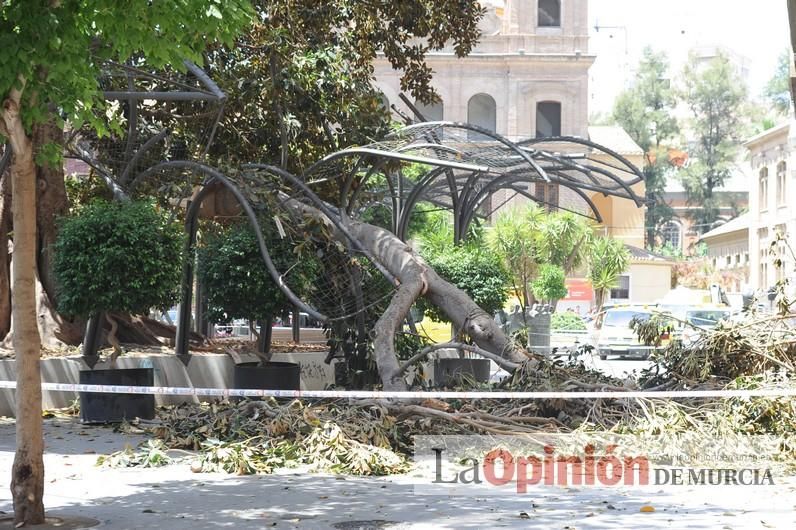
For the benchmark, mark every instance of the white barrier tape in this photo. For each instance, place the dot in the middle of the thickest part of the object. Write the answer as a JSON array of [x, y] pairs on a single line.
[[368, 394]]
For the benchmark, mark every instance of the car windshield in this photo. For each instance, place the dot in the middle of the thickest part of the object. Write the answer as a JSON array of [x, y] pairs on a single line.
[[621, 319], [706, 319]]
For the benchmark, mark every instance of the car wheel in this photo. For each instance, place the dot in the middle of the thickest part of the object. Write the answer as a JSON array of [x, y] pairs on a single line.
[[603, 357]]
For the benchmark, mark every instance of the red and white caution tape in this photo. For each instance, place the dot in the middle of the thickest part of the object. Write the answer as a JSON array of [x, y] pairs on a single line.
[[367, 394]]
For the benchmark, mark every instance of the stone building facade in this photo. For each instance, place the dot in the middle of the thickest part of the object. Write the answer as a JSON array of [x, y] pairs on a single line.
[[527, 77], [772, 208]]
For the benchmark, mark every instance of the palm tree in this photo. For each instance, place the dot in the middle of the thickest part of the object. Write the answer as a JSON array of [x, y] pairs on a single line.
[[516, 237], [608, 258]]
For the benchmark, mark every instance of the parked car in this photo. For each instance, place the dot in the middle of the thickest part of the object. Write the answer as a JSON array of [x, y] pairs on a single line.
[[694, 320], [611, 332]]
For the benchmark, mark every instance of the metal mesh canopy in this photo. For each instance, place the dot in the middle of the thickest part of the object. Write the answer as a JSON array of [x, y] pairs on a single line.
[[472, 172], [162, 126]]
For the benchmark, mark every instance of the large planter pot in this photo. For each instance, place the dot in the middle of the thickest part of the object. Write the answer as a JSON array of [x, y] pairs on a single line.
[[98, 407], [449, 372], [272, 376]]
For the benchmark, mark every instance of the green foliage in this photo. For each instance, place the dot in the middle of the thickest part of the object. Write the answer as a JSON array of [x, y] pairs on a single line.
[[82, 190], [57, 48], [567, 321], [301, 80], [669, 251], [152, 453], [527, 238], [550, 284], [717, 98], [777, 91], [608, 259], [325, 449], [477, 272], [117, 256], [235, 277], [645, 111]]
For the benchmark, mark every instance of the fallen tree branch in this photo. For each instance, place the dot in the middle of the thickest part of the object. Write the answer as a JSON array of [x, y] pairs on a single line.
[[500, 361]]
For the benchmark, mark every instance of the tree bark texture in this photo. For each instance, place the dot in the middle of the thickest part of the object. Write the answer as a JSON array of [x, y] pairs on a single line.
[[27, 474], [51, 203], [5, 257]]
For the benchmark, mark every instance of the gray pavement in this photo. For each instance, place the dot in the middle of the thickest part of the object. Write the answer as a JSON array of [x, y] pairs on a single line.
[[174, 498]]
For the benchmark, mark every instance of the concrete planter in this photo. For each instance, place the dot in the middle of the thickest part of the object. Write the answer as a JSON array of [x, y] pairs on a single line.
[[102, 407], [205, 370], [449, 372], [272, 376]]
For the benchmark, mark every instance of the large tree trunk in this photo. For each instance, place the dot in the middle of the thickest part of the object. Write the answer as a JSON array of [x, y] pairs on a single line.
[[5, 265], [415, 279], [27, 474], [51, 203]]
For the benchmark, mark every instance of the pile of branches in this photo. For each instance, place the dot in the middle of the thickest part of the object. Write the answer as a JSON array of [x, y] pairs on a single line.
[[756, 344], [367, 437]]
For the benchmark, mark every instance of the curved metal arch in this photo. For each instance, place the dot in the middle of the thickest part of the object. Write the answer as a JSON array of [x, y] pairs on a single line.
[[629, 166], [323, 207], [497, 185], [508, 182], [415, 197], [631, 195], [470, 127], [586, 168]]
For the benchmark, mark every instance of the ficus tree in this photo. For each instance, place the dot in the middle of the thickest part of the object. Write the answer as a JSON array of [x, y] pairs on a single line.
[[238, 285], [120, 256], [52, 56]]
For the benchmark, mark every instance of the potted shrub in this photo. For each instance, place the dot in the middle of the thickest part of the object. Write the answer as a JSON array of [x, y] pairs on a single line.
[[238, 285], [117, 257]]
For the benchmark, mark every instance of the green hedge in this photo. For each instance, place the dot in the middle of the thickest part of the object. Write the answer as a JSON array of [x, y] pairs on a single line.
[[477, 272], [117, 256], [236, 280]]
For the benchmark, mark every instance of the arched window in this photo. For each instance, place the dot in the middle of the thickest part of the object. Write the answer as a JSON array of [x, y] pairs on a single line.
[[433, 112], [549, 13], [763, 189], [548, 119], [482, 111], [782, 183], [672, 235]]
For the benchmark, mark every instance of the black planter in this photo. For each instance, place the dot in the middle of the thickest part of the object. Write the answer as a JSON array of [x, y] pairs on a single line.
[[98, 407], [272, 376], [449, 372]]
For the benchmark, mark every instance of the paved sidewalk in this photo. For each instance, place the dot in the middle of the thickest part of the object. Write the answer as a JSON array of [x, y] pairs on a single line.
[[173, 498]]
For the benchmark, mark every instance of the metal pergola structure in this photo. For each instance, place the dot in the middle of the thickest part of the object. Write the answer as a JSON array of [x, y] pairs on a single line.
[[459, 167], [464, 166]]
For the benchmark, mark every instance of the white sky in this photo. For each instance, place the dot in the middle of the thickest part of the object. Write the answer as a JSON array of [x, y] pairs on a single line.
[[757, 30]]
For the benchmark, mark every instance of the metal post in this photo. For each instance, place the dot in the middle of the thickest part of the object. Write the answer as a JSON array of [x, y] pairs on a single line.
[[296, 325], [91, 340]]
